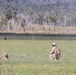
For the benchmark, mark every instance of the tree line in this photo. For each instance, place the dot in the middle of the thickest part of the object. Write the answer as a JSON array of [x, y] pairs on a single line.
[[16, 19]]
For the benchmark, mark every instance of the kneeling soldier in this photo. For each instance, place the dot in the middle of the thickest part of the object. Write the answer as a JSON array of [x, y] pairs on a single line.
[[55, 53]]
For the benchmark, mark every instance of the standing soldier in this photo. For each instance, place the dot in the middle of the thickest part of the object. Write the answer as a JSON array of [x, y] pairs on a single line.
[[55, 52]]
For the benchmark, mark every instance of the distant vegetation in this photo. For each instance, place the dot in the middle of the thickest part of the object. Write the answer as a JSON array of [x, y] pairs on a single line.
[[21, 15]]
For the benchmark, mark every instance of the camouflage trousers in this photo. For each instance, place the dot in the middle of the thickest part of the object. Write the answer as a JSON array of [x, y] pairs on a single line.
[[53, 56]]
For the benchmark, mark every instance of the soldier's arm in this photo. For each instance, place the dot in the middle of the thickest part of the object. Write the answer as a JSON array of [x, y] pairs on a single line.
[[52, 51]]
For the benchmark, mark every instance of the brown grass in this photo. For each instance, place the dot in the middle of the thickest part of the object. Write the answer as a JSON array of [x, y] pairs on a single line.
[[45, 29]]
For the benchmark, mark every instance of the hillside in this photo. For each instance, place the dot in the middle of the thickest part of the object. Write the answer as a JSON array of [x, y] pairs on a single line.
[[20, 15]]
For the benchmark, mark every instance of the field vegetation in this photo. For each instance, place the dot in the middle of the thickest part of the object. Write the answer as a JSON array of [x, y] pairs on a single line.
[[31, 57]]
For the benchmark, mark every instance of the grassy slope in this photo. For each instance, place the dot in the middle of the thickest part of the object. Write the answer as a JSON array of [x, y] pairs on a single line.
[[31, 57]]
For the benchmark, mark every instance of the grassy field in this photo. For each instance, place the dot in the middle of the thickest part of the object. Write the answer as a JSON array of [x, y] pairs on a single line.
[[31, 57]]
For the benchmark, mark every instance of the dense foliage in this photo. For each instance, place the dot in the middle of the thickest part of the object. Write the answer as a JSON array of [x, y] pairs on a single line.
[[18, 14]]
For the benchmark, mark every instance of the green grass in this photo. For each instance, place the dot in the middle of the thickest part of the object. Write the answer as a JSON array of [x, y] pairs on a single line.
[[31, 57]]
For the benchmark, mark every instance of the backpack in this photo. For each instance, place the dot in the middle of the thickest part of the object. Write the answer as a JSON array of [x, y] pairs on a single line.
[[57, 51]]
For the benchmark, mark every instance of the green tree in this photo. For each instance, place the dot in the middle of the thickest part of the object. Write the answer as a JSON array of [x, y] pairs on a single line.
[[40, 19], [23, 24], [8, 14]]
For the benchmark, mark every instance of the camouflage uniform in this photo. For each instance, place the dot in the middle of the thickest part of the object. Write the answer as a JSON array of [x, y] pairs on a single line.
[[55, 53], [5, 57]]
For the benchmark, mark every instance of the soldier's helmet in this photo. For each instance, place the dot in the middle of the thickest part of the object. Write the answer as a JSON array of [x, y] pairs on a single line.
[[53, 44]]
